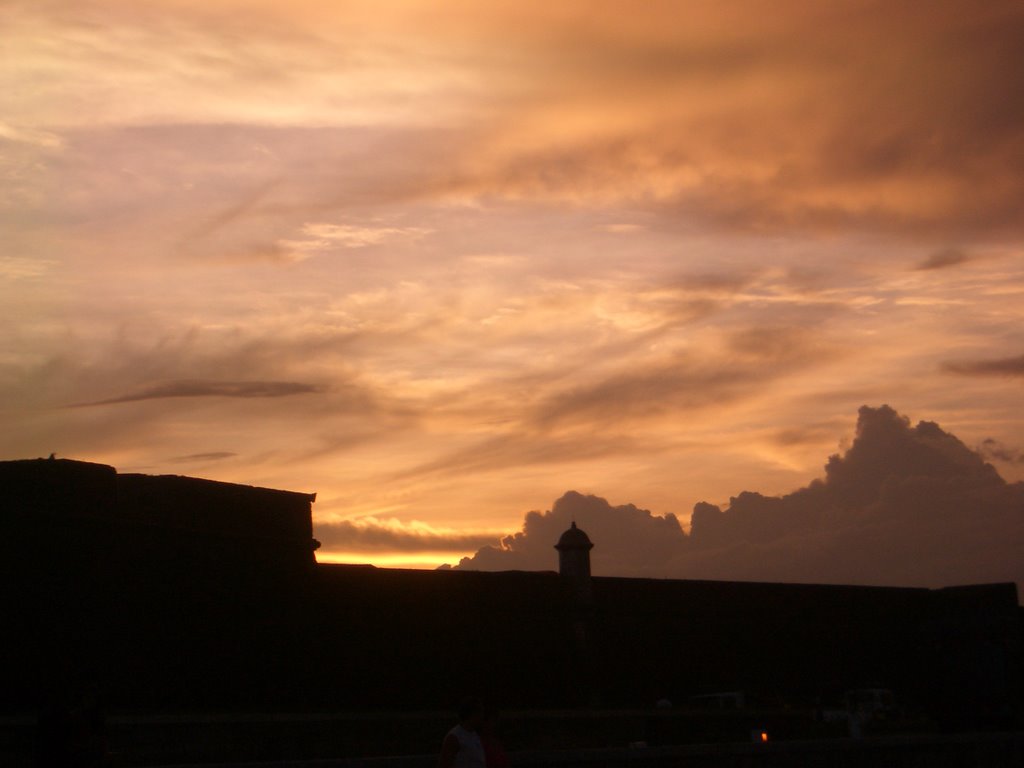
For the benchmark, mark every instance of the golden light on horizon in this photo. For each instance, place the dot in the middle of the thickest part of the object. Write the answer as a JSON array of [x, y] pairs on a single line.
[[424, 561]]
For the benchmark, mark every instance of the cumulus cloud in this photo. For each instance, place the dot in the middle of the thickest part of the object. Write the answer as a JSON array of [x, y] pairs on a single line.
[[904, 505], [632, 530], [991, 448], [1004, 366], [201, 388]]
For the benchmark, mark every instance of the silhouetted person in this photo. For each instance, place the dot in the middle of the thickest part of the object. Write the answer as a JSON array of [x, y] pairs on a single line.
[[462, 747], [494, 752]]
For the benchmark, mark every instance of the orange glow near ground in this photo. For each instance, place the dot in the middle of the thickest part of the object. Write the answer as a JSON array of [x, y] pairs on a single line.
[[427, 561]]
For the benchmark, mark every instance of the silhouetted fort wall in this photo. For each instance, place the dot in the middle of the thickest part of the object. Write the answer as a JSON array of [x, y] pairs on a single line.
[[172, 593], [90, 508]]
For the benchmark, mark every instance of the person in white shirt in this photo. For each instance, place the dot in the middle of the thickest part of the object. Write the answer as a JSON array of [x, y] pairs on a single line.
[[462, 747]]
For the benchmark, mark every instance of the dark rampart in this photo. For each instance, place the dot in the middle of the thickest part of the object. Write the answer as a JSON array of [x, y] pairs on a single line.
[[162, 594]]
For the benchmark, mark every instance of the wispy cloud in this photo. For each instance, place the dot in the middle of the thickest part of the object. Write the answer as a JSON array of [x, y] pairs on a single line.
[[196, 458], [21, 268], [30, 136], [947, 257], [751, 359], [354, 236], [371, 534], [1005, 366], [524, 449], [198, 388]]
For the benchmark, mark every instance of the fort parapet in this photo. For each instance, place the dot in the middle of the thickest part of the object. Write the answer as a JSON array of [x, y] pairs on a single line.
[[168, 593], [60, 509]]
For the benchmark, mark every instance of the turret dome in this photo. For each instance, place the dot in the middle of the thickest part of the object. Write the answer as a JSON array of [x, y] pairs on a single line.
[[574, 538]]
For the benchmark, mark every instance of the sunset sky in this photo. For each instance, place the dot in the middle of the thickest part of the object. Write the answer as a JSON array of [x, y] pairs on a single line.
[[441, 262]]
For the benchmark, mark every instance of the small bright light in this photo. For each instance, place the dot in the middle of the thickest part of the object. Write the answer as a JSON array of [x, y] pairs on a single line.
[[764, 736]]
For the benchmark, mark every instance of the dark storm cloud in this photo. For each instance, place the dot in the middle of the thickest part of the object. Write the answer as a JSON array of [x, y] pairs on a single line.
[[200, 388], [1005, 366], [947, 257], [903, 506]]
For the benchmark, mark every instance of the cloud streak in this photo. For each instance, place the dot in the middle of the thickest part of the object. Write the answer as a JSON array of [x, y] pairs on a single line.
[[373, 535], [194, 458], [1005, 366], [753, 358], [200, 388], [947, 257]]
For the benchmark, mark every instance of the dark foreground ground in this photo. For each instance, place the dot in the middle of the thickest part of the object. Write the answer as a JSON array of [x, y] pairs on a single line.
[[975, 751], [564, 739]]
